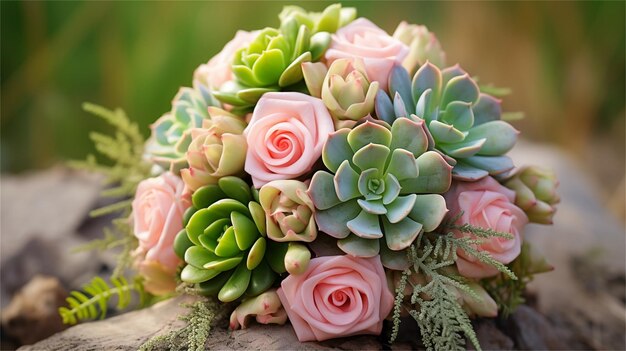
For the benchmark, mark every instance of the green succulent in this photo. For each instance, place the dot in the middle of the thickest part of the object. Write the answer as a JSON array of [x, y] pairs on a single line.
[[171, 134], [224, 243], [464, 124], [271, 62], [330, 20], [382, 189], [535, 190]]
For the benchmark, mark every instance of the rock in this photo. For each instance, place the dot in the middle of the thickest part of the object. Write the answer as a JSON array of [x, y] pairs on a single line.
[[490, 337], [41, 213], [33, 314], [532, 331]]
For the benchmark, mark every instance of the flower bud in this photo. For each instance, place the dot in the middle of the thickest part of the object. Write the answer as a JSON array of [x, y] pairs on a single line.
[[535, 190], [266, 308], [217, 149], [288, 211], [423, 46], [348, 93], [297, 258], [483, 307]]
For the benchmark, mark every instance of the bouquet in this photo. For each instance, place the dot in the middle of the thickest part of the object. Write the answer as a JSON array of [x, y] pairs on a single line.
[[330, 174]]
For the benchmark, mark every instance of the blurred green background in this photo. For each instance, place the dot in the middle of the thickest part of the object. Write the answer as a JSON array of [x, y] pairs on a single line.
[[563, 60]]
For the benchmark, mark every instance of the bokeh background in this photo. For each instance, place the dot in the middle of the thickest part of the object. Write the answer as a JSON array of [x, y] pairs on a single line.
[[564, 62]]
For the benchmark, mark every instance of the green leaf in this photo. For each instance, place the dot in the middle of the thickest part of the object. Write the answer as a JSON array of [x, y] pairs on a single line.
[[293, 73], [191, 274], [207, 195], [181, 244], [429, 210], [245, 230], [198, 256], [336, 150], [367, 133], [236, 285], [261, 279], [359, 247], [370, 156], [256, 253], [461, 88], [365, 225], [235, 188], [333, 221], [409, 135], [345, 183], [227, 244], [322, 190], [401, 235], [400, 208]]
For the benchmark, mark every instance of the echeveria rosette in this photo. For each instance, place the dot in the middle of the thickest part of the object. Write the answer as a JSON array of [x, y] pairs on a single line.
[[171, 134], [224, 243], [535, 190], [271, 62], [330, 20], [217, 149], [464, 124], [383, 186], [344, 88], [423, 46], [289, 211]]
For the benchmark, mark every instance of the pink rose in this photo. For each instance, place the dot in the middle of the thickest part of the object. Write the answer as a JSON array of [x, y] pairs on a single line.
[[363, 40], [337, 296], [218, 70], [158, 210], [487, 204], [285, 136]]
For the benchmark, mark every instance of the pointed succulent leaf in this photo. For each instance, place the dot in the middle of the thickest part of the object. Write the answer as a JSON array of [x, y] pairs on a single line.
[[336, 150], [434, 176], [500, 137], [459, 114], [227, 244], [368, 133], [319, 43], [486, 109], [252, 95], [375, 207], [464, 149], [332, 221], [314, 74], [409, 135], [425, 107], [345, 182], [429, 210], [400, 85], [365, 225], [445, 133], [461, 88], [392, 187], [402, 165], [384, 107], [492, 164], [359, 247], [427, 77], [400, 208], [465, 172], [293, 73], [401, 235], [451, 72], [371, 156], [322, 190]]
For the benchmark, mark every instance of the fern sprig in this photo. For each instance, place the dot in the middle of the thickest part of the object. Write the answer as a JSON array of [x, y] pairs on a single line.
[[92, 303]]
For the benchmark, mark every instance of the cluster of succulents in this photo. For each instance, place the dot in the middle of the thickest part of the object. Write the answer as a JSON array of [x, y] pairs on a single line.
[[316, 164]]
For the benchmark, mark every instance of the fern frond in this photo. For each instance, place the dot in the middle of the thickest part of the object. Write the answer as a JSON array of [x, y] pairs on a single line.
[[92, 303]]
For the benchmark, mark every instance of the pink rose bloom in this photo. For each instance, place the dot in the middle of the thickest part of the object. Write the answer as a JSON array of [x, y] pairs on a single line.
[[285, 136], [158, 210], [362, 39], [218, 70], [487, 204], [337, 296]]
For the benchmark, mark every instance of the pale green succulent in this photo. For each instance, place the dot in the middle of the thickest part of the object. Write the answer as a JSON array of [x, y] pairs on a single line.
[[423, 46], [330, 20], [464, 124], [344, 88], [224, 243], [382, 189], [171, 134], [535, 190]]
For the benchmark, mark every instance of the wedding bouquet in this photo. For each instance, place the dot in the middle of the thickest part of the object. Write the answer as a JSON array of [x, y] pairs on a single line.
[[330, 174]]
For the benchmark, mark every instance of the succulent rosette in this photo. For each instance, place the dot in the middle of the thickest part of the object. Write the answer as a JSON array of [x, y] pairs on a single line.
[[217, 149], [344, 88], [536, 194], [289, 211], [381, 191], [224, 243], [171, 134], [329, 20], [423, 46], [463, 123]]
